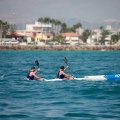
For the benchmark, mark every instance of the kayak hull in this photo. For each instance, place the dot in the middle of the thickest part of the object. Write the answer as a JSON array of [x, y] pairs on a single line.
[[55, 79], [100, 77], [91, 78]]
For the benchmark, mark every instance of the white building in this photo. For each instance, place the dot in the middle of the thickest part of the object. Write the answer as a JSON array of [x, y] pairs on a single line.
[[38, 27], [94, 37], [72, 38], [108, 27]]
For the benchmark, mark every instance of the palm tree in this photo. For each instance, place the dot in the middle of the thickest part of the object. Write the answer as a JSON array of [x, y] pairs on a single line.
[[58, 23], [1, 22], [59, 38], [77, 25], [55, 25], [63, 28], [115, 38], [41, 20], [86, 34], [4, 26], [101, 28], [46, 20], [104, 33], [12, 30], [54, 22]]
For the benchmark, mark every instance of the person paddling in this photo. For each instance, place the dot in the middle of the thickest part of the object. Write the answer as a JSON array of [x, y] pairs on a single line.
[[32, 74], [62, 75]]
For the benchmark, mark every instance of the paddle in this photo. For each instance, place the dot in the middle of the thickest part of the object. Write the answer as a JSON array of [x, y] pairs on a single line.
[[37, 63], [66, 61]]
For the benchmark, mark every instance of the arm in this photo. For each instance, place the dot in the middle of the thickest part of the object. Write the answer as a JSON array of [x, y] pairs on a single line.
[[67, 75], [66, 68], [34, 74], [37, 70]]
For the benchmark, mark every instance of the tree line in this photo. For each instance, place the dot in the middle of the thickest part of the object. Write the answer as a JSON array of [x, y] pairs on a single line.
[[87, 32], [57, 23], [59, 27], [5, 27]]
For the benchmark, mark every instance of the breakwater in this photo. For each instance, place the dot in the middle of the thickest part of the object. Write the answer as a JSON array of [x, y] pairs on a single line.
[[60, 47]]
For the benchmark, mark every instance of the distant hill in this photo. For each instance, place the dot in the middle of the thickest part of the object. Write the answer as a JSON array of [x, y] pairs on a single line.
[[21, 21]]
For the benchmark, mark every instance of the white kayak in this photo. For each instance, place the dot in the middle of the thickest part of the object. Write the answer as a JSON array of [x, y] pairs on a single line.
[[55, 79], [91, 78]]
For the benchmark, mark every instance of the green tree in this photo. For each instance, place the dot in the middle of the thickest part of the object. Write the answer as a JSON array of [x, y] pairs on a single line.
[[46, 20], [55, 24], [4, 27], [76, 26], [86, 34], [115, 38], [104, 33], [63, 28], [41, 20], [12, 29], [58, 38], [58, 23], [1, 30], [101, 28]]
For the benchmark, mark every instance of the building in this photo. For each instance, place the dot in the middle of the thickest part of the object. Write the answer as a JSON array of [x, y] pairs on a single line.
[[34, 30], [43, 36], [38, 27], [72, 38]]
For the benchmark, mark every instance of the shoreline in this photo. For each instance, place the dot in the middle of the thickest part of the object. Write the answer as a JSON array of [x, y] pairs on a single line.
[[60, 47]]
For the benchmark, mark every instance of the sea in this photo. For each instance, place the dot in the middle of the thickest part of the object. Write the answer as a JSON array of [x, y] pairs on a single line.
[[22, 99]]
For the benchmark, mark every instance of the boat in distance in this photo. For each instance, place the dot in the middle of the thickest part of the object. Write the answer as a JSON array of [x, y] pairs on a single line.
[[91, 78]]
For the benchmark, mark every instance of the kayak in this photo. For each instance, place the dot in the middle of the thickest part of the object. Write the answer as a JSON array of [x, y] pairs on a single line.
[[55, 79], [100, 77], [91, 78]]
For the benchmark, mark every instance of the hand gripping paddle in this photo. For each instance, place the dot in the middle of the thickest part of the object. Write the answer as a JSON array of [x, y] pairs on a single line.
[[66, 61]]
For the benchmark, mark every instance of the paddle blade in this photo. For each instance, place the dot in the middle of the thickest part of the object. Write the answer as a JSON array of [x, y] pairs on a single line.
[[37, 63], [65, 59]]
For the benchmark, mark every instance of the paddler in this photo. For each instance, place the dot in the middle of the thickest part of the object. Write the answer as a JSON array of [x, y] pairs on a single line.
[[32, 74], [62, 75]]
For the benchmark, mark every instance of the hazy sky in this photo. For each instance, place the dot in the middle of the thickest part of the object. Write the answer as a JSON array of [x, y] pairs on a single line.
[[90, 10]]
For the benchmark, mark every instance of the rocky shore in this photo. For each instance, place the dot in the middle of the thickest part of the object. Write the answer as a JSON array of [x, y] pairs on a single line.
[[63, 47]]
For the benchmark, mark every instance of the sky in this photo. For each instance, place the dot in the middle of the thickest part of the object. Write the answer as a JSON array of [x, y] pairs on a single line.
[[89, 10]]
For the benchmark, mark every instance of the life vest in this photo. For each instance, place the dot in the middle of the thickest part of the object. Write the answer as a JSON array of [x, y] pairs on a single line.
[[60, 76], [30, 77]]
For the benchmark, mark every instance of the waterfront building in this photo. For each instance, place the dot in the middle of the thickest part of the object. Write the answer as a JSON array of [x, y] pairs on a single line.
[[38, 27], [47, 36], [72, 38], [33, 31]]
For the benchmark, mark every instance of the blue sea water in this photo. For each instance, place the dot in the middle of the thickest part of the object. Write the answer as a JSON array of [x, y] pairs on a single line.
[[21, 99]]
